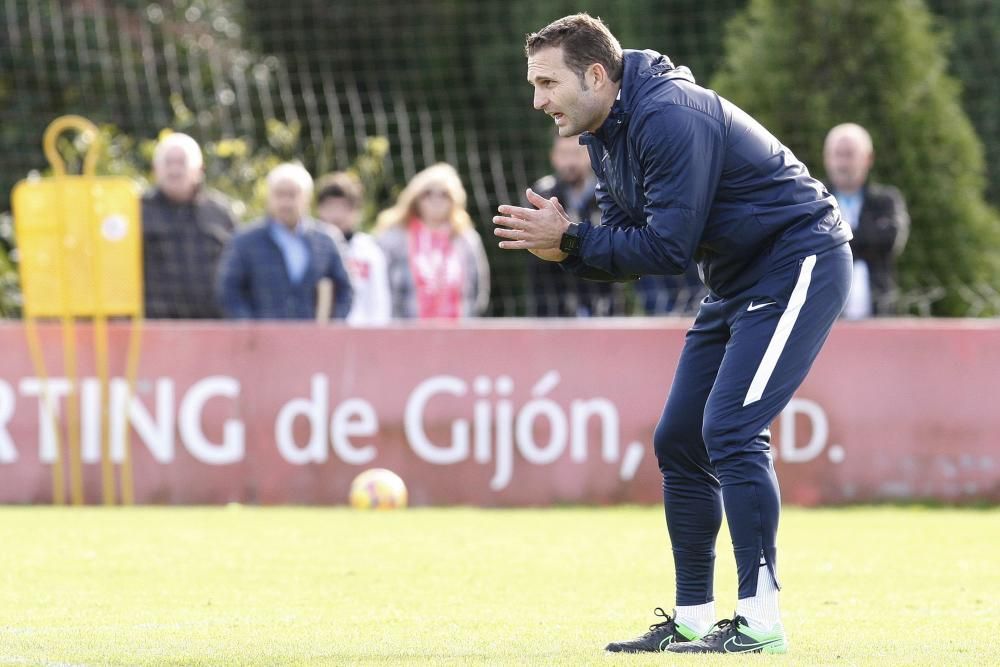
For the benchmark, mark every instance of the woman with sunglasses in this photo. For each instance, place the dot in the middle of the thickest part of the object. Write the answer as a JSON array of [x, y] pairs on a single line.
[[436, 262]]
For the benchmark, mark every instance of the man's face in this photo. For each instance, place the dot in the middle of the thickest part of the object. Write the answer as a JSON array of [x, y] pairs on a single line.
[[177, 179], [570, 160], [286, 202], [560, 93], [339, 211], [847, 161]]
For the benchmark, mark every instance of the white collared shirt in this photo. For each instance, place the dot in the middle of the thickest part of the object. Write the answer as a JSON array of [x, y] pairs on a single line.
[[859, 301]]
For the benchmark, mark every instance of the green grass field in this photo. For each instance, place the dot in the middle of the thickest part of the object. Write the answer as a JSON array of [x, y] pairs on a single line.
[[248, 586]]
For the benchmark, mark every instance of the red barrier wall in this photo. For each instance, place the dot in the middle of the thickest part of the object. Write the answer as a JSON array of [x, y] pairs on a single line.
[[504, 413]]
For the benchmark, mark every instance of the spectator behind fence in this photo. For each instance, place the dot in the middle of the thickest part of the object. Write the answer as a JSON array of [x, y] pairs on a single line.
[[338, 207], [877, 215], [184, 230], [437, 264], [555, 292], [273, 270]]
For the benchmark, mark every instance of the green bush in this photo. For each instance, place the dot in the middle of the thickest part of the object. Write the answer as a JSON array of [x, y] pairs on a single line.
[[802, 67]]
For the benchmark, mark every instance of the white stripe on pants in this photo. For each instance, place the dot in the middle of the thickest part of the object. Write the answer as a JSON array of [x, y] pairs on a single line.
[[781, 333]]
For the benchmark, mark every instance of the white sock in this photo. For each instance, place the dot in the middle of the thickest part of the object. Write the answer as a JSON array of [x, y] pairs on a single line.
[[761, 611], [699, 617]]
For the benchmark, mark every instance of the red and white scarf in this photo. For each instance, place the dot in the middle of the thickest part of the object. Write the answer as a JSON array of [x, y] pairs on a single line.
[[436, 265]]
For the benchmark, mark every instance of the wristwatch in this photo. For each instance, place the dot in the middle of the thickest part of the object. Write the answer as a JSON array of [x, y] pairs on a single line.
[[570, 242]]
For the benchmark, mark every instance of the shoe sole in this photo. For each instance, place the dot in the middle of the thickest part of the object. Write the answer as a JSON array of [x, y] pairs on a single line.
[[778, 648]]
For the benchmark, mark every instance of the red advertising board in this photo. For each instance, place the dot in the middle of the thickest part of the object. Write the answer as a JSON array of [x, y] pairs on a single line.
[[496, 413]]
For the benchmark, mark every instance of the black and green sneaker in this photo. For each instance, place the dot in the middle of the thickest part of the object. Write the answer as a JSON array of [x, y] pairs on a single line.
[[735, 636], [660, 636]]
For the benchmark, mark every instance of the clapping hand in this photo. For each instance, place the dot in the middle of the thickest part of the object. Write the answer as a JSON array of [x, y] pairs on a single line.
[[538, 230]]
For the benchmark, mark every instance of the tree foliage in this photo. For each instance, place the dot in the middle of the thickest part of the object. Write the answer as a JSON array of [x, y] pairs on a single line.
[[804, 67]]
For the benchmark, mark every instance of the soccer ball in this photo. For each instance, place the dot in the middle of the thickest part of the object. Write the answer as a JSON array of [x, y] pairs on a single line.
[[378, 488]]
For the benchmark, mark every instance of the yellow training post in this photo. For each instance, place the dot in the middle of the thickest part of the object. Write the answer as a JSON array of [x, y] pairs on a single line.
[[80, 245]]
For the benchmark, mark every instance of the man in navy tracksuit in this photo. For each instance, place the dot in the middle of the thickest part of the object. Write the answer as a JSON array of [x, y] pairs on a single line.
[[685, 175]]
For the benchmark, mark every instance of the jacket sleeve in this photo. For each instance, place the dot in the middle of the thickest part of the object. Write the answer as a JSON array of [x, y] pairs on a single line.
[[343, 293], [611, 216], [393, 245], [482, 287], [680, 152], [232, 285], [887, 233], [381, 297]]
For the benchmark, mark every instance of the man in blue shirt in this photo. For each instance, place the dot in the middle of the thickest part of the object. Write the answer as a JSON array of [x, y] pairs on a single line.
[[876, 214], [272, 270], [684, 175]]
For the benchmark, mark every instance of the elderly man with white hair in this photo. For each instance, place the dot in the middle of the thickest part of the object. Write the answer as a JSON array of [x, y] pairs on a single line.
[[877, 215], [275, 269], [184, 229]]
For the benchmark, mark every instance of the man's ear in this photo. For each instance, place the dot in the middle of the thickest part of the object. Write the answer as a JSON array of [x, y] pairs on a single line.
[[596, 75]]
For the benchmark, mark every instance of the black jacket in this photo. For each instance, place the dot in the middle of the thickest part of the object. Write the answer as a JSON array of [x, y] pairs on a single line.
[[558, 293], [883, 227], [181, 246]]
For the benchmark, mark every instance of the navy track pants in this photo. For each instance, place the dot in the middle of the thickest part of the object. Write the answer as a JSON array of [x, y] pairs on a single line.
[[742, 361]]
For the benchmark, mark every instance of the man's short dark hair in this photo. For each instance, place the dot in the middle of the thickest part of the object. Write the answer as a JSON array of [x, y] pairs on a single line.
[[341, 185], [585, 40]]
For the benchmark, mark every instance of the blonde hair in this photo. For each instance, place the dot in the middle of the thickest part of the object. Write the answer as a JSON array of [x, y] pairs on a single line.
[[405, 208]]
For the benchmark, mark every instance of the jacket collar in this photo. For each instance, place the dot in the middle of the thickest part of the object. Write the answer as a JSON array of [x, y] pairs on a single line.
[[198, 198], [306, 224], [638, 69], [615, 120]]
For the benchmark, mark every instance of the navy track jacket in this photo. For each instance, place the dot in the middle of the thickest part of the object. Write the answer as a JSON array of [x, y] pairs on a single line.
[[684, 174]]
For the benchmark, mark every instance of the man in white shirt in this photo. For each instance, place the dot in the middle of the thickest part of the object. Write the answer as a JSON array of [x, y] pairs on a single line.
[[877, 216], [338, 206]]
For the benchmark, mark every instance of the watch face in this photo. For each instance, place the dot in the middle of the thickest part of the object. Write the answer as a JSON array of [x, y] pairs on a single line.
[[570, 241]]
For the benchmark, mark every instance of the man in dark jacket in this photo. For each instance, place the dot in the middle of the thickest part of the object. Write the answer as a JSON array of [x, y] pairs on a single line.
[[558, 293], [684, 175], [876, 213], [273, 270], [184, 229]]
